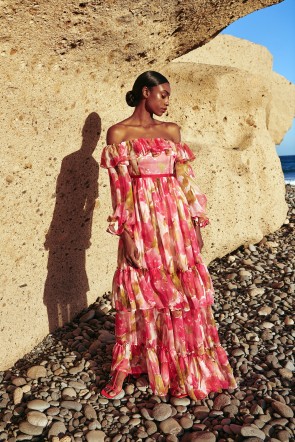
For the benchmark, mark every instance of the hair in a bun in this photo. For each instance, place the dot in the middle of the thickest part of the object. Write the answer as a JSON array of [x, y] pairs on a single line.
[[130, 99], [148, 79]]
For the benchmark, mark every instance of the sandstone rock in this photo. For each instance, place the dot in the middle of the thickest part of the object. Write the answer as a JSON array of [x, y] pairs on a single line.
[[238, 146], [170, 426], [38, 371]]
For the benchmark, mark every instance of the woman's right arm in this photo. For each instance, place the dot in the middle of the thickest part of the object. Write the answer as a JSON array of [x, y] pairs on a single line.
[[122, 220]]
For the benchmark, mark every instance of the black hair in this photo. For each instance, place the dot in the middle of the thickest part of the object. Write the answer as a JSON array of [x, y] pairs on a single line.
[[148, 79]]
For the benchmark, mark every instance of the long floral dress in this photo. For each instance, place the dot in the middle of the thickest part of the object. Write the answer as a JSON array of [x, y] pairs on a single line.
[[164, 324]]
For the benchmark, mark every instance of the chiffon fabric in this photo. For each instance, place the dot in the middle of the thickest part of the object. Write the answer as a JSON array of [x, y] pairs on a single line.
[[164, 324]]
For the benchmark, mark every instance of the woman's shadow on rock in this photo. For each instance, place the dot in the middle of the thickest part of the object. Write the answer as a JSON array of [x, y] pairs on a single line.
[[69, 234]]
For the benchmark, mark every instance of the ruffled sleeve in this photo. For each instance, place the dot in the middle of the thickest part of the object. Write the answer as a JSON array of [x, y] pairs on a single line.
[[185, 175], [114, 158]]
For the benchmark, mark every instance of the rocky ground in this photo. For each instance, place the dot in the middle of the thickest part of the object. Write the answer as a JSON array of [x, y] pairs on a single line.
[[52, 394]]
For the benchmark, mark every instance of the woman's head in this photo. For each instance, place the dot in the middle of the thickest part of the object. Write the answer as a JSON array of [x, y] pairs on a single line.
[[144, 86]]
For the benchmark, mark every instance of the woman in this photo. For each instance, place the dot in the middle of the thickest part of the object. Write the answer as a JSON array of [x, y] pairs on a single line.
[[162, 290]]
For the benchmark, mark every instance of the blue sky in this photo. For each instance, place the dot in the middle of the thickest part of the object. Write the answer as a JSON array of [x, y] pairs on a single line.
[[274, 28]]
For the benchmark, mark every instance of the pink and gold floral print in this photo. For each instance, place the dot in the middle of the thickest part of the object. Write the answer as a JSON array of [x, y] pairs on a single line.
[[164, 321]]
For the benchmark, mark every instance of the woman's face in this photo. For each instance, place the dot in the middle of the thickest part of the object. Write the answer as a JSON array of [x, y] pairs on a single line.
[[157, 98]]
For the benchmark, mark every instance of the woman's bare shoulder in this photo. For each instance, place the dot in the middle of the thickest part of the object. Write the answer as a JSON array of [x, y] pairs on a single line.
[[173, 131], [116, 133]]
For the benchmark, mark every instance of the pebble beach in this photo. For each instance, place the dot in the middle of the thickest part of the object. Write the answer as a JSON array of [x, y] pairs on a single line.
[[52, 393]]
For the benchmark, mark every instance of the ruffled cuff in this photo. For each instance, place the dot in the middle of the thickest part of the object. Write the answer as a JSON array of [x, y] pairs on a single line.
[[201, 221], [114, 154], [184, 153], [115, 228]]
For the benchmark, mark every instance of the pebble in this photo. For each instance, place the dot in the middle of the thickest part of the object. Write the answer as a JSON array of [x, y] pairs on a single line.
[[202, 436], [151, 427], [90, 412], [201, 411], [30, 429], [38, 404], [264, 311], [161, 412], [95, 436], [71, 405], [185, 401], [36, 372], [69, 392], [186, 422], [17, 395], [57, 429], [221, 401], [283, 409], [252, 431], [37, 418], [170, 426]]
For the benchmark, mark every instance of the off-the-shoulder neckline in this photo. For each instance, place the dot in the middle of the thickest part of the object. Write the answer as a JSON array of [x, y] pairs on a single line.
[[146, 139]]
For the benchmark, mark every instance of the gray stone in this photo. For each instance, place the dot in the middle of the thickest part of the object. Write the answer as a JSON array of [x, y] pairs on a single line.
[[170, 426], [71, 405], [38, 404], [89, 412], [19, 381], [186, 422], [37, 418], [250, 430], [185, 401], [36, 372], [17, 395], [221, 401], [202, 436], [30, 429], [57, 429], [87, 316], [69, 392], [162, 411], [283, 409], [95, 436], [201, 411], [151, 427], [147, 414]]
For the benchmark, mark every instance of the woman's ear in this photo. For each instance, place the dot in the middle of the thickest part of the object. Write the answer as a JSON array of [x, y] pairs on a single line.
[[145, 92]]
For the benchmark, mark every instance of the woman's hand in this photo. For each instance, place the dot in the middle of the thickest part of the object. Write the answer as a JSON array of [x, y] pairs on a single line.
[[199, 236], [130, 250]]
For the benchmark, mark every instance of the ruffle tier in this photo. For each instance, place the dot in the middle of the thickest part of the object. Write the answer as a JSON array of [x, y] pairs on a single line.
[[180, 351], [143, 289]]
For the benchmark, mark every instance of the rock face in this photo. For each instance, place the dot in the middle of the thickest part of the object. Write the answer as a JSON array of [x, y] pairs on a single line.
[[59, 101], [119, 35]]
